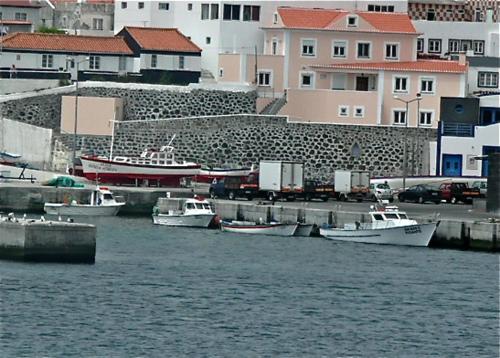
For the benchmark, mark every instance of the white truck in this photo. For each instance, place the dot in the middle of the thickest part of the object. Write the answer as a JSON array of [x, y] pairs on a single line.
[[281, 179], [352, 184]]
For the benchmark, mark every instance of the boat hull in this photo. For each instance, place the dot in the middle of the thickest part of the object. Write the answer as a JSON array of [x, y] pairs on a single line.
[[208, 175], [124, 173], [410, 235], [303, 230], [81, 210], [274, 230], [199, 220]]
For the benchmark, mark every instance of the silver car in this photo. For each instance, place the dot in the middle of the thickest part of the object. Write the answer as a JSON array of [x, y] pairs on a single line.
[[381, 192]]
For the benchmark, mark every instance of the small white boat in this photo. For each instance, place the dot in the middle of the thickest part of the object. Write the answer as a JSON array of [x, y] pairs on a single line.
[[102, 203], [195, 212], [250, 227], [389, 226]]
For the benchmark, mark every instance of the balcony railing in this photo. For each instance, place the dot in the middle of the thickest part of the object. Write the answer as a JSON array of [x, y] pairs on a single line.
[[457, 129]]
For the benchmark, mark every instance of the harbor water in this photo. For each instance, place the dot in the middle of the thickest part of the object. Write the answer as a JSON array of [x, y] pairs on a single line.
[[173, 292]]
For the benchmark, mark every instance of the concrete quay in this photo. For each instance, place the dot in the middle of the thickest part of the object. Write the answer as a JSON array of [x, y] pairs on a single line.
[[47, 241], [483, 234], [27, 197]]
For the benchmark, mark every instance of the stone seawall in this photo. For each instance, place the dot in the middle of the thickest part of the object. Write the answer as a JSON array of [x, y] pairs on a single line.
[[140, 103], [247, 139]]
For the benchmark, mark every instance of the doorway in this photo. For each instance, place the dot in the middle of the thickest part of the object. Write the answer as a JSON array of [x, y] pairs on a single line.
[[452, 165], [361, 83]]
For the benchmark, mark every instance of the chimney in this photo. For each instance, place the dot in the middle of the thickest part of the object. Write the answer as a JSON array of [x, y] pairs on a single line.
[[462, 58]]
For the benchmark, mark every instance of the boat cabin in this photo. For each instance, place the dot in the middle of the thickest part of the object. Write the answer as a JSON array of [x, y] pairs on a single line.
[[197, 205], [387, 213], [102, 196]]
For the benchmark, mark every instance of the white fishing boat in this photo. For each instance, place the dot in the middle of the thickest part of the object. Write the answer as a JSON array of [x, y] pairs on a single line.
[[209, 174], [102, 203], [195, 212], [250, 227], [389, 226]]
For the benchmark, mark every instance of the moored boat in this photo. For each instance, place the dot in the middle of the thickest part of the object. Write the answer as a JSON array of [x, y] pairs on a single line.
[[389, 226], [250, 227], [196, 212], [208, 174], [101, 203]]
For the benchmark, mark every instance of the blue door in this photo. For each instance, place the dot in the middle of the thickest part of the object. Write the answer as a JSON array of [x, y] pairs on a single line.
[[452, 165], [487, 150]]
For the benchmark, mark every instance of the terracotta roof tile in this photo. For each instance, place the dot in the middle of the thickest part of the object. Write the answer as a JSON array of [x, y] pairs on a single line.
[[323, 19], [15, 22], [412, 66], [66, 43], [21, 3], [161, 39]]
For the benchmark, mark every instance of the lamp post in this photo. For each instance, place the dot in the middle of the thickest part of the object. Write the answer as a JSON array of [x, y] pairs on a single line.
[[76, 111], [405, 150]]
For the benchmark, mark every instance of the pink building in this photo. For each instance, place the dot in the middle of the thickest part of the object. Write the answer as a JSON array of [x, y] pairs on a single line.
[[345, 67]]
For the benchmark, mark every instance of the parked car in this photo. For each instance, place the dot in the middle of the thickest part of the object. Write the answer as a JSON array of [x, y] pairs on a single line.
[[455, 192], [420, 194], [482, 186], [381, 191]]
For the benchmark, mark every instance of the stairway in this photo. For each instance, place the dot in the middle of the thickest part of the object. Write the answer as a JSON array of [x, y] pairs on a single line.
[[274, 106]]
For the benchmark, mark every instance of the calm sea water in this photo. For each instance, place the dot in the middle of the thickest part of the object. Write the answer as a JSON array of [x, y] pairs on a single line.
[[163, 292]]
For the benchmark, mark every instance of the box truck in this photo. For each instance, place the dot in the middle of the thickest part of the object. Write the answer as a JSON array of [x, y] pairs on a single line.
[[281, 179], [352, 184]]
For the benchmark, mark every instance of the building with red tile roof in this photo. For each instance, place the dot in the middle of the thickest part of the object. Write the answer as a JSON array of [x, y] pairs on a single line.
[[132, 51], [347, 67]]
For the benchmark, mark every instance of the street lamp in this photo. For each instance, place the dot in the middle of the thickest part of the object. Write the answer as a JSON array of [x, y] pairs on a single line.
[[405, 151], [76, 109]]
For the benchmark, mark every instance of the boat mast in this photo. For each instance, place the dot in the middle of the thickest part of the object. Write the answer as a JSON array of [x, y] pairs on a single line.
[[112, 139]]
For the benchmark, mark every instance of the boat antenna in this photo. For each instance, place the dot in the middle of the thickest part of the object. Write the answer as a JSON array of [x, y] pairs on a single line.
[[171, 140]]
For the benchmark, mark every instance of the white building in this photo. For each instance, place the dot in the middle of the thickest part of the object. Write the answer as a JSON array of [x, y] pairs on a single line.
[[225, 26]]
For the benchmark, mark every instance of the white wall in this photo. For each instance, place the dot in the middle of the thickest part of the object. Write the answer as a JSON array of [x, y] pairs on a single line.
[[31, 142], [19, 85], [171, 62], [472, 79], [483, 136], [446, 30]]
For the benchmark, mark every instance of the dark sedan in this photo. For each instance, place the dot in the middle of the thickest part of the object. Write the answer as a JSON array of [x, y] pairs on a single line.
[[420, 194]]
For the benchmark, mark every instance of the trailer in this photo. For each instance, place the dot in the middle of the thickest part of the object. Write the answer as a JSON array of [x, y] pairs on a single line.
[[352, 184], [281, 179]]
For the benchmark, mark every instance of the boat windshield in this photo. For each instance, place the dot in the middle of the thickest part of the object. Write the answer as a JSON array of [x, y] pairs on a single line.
[[206, 206], [378, 217], [189, 206], [403, 216], [108, 197], [391, 216], [199, 206]]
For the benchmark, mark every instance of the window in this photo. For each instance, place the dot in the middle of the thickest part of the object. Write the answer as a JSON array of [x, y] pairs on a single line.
[[383, 8], [21, 16], [425, 118], [18, 57], [478, 47], [427, 85], [401, 84], [221, 72], [431, 15], [339, 49], [163, 6], [94, 62], [399, 116], [391, 51], [97, 24], [205, 9], [140, 5], [231, 12], [363, 50], [124, 5], [306, 79], [453, 46], [122, 64], [465, 45], [435, 45], [208, 40], [343, 111], [359, 111], [478, 15], [181, 62], [420, 45], [251, 13], [154, 61], [214, 11], [487, 79], [308, 47], [264, 78], [274, 48], [190, 7], [47, 61], [275, 18], [352, 21]]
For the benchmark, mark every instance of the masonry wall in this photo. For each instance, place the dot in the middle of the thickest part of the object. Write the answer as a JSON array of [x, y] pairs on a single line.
[[247, 139]]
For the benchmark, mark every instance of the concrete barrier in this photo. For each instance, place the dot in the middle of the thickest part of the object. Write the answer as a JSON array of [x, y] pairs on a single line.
[[227, 211], [286, 215], [48, 241]]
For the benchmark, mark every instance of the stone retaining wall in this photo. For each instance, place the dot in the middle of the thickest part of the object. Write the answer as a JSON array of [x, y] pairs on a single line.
[[247, 139]]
